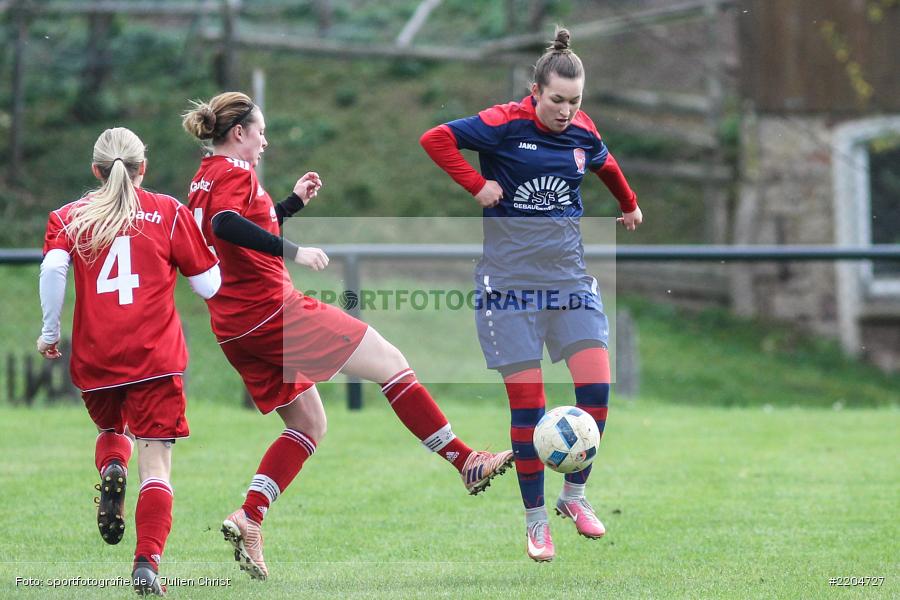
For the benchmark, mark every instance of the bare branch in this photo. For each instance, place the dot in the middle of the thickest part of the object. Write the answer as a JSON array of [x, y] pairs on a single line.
[[692, 9], [416, 21]]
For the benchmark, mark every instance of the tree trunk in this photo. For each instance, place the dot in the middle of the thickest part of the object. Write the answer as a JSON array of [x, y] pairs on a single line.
[[89, 106]]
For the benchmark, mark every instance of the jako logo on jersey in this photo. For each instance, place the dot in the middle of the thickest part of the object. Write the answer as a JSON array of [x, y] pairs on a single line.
[[200, 185], [259, 190], [579, 159], [272, 214], [527, 146], [542, 193], [153, 217]]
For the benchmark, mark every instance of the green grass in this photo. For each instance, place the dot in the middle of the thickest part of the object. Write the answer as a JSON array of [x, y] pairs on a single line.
[[700, 502], [711, 357]]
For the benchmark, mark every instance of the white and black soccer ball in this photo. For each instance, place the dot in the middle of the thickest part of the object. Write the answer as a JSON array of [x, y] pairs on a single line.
[[566, 439]]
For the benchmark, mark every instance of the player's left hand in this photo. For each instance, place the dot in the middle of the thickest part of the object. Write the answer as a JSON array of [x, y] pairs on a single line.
[[48, 351], [308, 186], [631, 220]]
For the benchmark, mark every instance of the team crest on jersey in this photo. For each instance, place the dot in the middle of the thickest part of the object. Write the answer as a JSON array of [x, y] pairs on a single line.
[[542, 194], [579, 160]]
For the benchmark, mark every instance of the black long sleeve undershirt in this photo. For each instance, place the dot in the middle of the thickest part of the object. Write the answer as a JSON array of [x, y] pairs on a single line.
[[288, 207], [234, 228]]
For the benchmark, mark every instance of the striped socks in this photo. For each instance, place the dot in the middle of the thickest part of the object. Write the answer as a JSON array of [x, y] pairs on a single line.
[[590, 374], [416, 409], [527, 404], [280, 464]]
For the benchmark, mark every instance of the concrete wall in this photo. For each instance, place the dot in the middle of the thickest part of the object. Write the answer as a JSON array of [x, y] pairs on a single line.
[[804, 181]]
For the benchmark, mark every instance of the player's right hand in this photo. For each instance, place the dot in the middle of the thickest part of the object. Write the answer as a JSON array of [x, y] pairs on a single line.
[[490, 194], [313, 258], [48, 351]]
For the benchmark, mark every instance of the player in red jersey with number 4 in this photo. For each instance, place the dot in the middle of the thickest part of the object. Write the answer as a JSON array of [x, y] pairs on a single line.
[[128, 350], [282, 342]]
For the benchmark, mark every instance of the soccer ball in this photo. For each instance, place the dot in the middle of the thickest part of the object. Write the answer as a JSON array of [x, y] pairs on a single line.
[[566, 439]]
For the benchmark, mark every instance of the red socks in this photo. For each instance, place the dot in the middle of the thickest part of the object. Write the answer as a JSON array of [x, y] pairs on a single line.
[[153, 518], [418, 411], [281, 463], [590, 374], [112, 446]]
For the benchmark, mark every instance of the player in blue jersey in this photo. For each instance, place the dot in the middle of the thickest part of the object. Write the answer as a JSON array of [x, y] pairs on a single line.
[[532, 279]]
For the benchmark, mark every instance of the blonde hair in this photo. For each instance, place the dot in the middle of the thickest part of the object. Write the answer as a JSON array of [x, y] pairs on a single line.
[[558, 59], [111, 209], [214, 119]]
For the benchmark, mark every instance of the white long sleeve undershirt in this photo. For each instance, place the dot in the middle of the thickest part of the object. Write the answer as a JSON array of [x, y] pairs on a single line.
[[54, 269], [206, 284]]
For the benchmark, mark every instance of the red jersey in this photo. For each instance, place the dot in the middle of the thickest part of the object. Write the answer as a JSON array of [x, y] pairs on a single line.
[[254, 284], [126, 329]]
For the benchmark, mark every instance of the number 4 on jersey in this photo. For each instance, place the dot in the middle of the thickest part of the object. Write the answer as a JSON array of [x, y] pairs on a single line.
[[126, 281]]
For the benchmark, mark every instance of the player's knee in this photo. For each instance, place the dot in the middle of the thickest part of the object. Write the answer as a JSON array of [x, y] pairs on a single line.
[[318, 429], [394, 358]]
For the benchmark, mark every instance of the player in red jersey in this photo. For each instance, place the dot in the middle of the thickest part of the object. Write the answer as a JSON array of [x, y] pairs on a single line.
[[534, 155], [282, 342], [128, 352]]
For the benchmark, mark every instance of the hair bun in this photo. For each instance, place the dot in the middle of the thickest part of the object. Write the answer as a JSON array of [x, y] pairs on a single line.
[[200, 122], [561, 43], [206, 121]]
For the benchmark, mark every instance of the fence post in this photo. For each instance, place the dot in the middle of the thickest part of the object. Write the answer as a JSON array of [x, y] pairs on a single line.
[[351, 284], [19, 22], [627, 359], [715, 198], [227, 56]]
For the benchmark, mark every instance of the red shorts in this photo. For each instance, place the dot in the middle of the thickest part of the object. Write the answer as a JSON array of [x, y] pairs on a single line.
[[152, 410], [307, 342]]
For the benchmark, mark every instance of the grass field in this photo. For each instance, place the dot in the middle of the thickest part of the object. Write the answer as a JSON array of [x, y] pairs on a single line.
[[700, 502], [757, 463]]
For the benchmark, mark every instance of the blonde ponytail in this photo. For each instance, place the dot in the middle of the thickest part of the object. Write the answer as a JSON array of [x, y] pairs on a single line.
[[111, 209]]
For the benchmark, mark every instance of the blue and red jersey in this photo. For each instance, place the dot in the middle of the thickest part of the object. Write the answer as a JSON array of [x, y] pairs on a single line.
[[540, 173]]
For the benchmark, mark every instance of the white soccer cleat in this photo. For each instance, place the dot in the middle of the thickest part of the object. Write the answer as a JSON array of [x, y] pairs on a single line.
[[538, 543]]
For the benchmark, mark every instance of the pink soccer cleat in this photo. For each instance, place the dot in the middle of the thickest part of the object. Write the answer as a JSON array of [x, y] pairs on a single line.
[[582, 514], [539, 544], [481, 467], [246, 537]]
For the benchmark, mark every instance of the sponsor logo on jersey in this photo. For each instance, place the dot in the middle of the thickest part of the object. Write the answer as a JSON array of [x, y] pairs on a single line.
[[579, 160], [542, 194], [243, 164], [153, 217], [201, 185], [527, 146]]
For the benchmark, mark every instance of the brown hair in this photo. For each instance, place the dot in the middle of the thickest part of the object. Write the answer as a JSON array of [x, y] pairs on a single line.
[[214, 119], [111, 209], [558, 59]]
